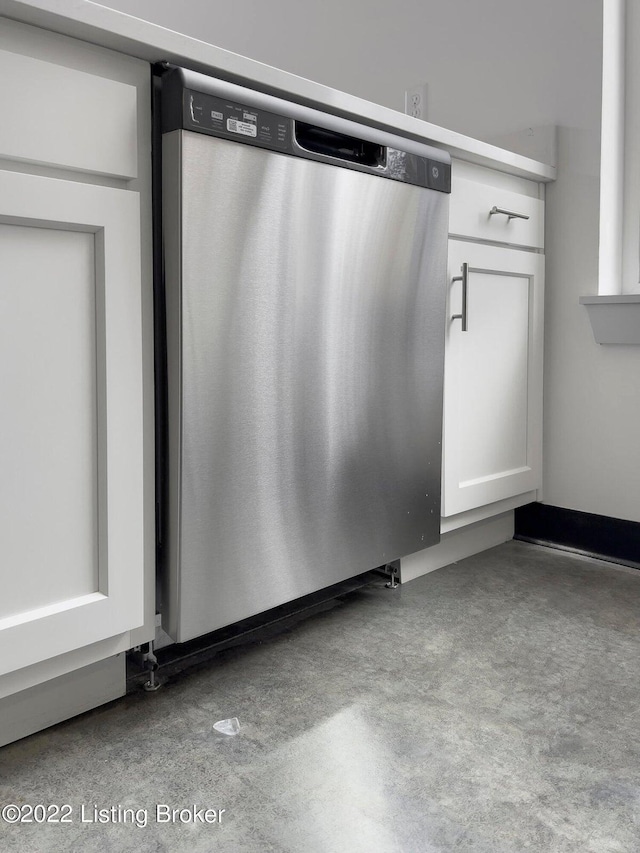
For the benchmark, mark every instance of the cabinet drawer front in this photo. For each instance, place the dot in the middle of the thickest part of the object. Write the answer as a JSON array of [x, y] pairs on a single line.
[[470, 214], [67, 118]]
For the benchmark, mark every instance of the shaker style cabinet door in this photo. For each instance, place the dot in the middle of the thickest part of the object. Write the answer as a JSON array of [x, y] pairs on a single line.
[[493, 375], [71, 529]]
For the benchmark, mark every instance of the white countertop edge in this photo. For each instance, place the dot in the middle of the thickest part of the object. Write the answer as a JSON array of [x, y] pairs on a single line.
[[112, 29]]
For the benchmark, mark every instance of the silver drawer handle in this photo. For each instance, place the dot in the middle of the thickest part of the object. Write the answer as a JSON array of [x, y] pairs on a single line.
[[508, 213], [464, 278]]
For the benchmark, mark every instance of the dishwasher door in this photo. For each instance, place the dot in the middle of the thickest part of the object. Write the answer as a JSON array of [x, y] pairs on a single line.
[[305, 307]]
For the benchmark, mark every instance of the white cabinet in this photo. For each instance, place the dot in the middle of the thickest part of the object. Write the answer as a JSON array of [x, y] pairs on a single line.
[[493, 368], [76, 371], [493, 377], [492, 424]]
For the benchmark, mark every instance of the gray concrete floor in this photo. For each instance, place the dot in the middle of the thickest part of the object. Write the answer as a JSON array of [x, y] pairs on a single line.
[[493, 705]]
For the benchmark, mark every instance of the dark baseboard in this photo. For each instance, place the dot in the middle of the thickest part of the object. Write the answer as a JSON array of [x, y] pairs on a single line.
[[611, 539]]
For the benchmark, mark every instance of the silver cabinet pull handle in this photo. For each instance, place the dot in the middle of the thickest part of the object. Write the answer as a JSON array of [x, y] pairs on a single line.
[[464, 278], [508, 213]]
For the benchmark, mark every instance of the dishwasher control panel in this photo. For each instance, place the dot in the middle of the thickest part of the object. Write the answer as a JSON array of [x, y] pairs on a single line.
[[236, 121], [193, 102]]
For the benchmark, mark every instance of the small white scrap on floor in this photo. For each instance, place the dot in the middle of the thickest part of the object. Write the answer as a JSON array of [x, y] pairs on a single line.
[[228, 727]]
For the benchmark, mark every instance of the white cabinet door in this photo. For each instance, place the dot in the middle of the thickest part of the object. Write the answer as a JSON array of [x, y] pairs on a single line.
[[71, 503], [493, 377]]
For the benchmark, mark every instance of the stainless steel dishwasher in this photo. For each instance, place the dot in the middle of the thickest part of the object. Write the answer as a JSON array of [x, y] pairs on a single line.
[[305, 260]]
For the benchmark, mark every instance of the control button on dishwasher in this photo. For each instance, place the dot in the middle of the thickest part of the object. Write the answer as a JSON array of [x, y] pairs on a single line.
[[438, 175]]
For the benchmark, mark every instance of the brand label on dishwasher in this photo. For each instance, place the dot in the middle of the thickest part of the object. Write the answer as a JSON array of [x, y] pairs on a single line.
[[242, 127]]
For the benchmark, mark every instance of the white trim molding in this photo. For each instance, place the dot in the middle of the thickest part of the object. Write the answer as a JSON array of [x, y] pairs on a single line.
[[615, 312], [612, 147]]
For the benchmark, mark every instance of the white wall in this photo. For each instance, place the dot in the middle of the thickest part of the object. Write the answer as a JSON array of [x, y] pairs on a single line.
[[592, 392], [493, 68]]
